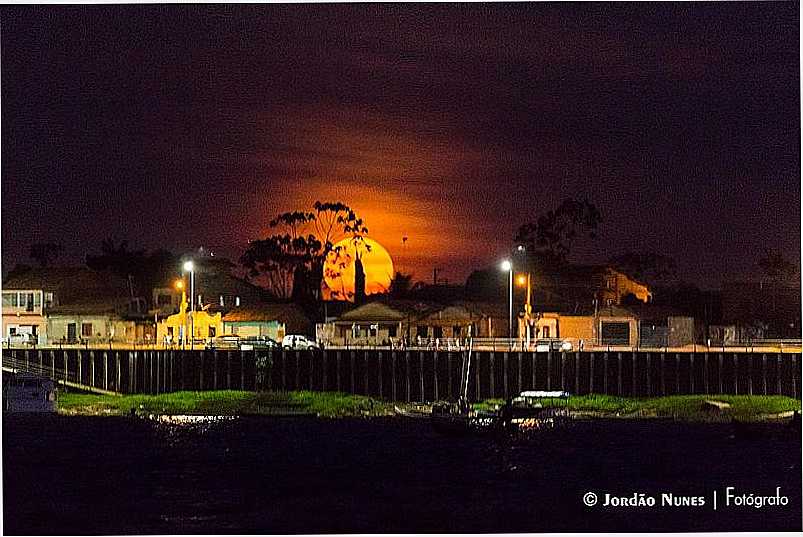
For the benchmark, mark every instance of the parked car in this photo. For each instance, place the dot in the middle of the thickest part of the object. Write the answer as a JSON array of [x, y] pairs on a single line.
[[19, 340], [258, 342], [299, 343], [553, 345]]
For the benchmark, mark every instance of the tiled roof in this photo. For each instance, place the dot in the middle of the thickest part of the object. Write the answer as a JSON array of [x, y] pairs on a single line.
[[291, 315], [72, 285]]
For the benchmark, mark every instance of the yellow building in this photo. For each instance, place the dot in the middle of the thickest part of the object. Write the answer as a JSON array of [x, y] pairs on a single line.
[[173, 330]]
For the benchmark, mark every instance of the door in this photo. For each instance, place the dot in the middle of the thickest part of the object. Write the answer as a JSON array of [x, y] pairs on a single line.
[[614, 333], [71, 332]]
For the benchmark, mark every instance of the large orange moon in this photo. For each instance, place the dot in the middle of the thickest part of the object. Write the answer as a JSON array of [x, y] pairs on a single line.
[[339, 269]]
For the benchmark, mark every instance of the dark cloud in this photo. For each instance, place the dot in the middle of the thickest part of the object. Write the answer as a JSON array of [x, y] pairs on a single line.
[[181, 125]]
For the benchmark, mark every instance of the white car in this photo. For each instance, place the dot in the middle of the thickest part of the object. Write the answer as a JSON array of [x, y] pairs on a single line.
[[548, 345], [19, 340], [298, 343]]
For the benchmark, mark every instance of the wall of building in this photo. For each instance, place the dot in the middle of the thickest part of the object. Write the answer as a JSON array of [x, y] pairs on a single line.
[[681, 331], [104, 328], [25, 324], [577, 327], [173, 328], [272, 329]]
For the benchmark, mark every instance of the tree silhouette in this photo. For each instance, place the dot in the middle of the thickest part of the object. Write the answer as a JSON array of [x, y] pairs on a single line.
[[549, 239], [293, 259], [400, 285], [777, 268], [45, 253], [144, 270]]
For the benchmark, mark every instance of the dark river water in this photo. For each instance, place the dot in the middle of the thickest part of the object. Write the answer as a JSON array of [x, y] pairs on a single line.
[[82, 475]]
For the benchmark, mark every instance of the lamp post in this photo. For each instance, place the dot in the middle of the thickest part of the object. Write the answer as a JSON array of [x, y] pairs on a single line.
[[182, 310], [189, 266], [508, 266]]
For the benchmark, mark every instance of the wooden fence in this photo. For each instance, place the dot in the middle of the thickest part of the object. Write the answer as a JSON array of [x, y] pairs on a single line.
[[419, 375]]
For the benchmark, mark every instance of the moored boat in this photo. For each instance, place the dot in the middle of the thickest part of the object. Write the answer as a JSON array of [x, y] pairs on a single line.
[[24, 392]]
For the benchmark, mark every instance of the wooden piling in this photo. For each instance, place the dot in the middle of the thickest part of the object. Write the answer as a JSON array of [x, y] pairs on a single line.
[[407, 375], [434, 376], [492, 378], [506, 364], [284, 370], [337, 369], [393, 374], [691, 373], [778, 374], [421, 374], [352, 363], [379, 374], [477, 376]]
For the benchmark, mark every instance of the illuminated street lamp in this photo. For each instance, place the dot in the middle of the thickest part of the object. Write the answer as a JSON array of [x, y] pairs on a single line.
[[189, 266], [508, 266], [180, 287]]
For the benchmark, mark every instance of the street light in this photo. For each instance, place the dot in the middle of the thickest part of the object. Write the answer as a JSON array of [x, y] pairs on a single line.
[[508, 266], [189, 266]]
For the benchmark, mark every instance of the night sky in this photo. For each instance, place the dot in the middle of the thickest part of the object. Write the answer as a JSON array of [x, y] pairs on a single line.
[[181, 126]]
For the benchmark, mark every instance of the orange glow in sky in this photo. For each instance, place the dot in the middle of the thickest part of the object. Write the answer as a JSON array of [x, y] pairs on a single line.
[[340, 269]]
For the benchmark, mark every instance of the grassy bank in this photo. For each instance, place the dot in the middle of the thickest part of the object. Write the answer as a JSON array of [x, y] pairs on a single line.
[[684, 407], [225, 402], [334, 404]]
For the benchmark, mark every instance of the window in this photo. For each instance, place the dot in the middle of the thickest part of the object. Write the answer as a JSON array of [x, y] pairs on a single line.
[[29, 302], [546, 331], [392, 330], [48, 299], [372, 330], [456, 330], [12, 330], [23, 300], [212, 331], [421, 331], [437, 332], [86, 329], [37, 299], [170, 331], [9, 300]]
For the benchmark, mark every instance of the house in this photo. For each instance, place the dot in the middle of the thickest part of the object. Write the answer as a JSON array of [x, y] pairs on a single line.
[[202, 323], [273, 320], [387, 321], [71, 305]]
